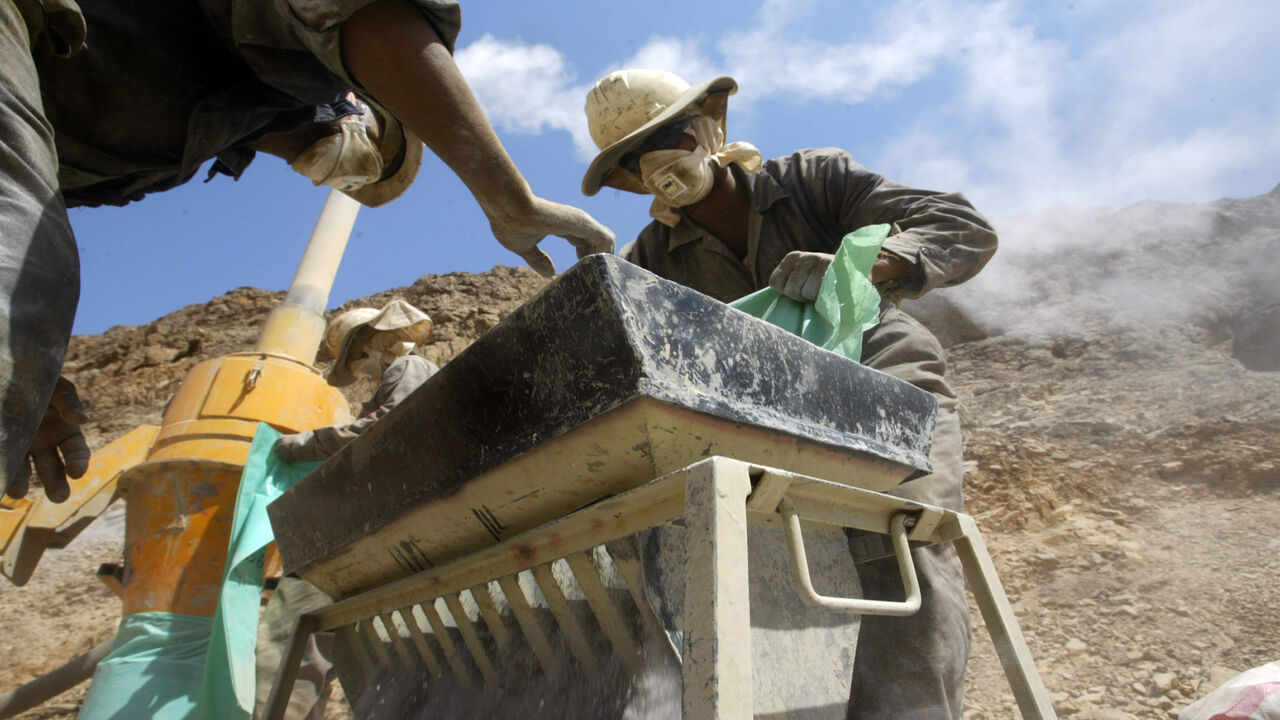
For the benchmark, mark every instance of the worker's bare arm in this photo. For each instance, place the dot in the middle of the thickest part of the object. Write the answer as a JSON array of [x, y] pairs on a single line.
[[391, 49]]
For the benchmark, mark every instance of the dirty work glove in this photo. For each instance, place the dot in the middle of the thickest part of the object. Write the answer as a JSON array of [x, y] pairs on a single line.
[[799, 275], [59, 448], [295, 448], [521, 233]]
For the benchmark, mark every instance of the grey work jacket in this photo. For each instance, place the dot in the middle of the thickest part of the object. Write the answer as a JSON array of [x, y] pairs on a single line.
[[809, 201], [404, 376]]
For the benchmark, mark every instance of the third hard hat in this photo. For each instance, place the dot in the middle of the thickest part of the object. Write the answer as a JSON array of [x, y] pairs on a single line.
[[399, 317]]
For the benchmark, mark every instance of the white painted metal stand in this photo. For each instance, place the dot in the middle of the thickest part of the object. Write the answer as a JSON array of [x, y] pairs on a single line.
[[714, 498]]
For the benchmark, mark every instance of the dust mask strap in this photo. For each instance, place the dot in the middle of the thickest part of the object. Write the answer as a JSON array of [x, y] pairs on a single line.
[[709, 135], [347, 160], [678, 178]]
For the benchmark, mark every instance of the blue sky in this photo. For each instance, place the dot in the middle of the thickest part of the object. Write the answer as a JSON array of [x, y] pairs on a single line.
[[1020, 105]]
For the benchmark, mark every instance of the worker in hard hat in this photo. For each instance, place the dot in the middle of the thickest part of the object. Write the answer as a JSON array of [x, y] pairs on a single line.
[[727, 223], [104, 102], [369, 344]]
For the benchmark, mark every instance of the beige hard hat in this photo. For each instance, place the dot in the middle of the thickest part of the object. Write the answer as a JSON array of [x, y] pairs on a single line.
[[626, 106], [401, 150], [397, 316]]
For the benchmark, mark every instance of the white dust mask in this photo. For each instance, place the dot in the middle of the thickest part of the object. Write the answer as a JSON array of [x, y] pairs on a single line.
[[390, 345], [368, 366], [677, 177], [347, 160]]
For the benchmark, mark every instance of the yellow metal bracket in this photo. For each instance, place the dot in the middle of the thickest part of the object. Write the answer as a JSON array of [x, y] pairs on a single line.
[[44, 524]]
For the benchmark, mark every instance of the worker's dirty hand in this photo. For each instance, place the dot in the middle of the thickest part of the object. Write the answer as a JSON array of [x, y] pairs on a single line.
[[292, 448], [59, 448], [521, 233], [799, 275], [889, 266]]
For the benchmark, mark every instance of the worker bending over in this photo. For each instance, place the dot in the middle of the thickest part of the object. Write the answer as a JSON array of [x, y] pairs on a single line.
[[728, 223], [104, 101]]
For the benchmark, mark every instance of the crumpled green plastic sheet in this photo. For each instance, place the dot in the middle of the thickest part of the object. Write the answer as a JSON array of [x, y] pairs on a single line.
[[229, 686], [154, 669], [847, 304]]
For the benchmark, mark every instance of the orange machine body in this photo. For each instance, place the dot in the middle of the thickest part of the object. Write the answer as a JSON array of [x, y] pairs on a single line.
[[182, 499]]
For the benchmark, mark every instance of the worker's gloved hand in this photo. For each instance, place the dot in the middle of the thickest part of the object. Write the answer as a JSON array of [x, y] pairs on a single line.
[[799, 275], [521, 233], [294, 448], [59, 448]]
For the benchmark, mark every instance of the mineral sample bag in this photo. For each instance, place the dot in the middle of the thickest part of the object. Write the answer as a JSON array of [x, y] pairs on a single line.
[[228, 688], [847, 304]]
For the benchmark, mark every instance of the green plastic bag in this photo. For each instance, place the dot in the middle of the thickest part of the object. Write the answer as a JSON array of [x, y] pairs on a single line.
[[228, 690], [847, 304], [154, 669]]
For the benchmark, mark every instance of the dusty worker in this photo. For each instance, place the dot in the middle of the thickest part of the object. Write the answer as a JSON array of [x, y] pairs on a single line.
[[102, 102], [365, 343], [728, 223], [370, 344]]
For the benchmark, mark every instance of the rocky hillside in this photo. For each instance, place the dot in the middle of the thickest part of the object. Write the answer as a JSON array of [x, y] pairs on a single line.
[[1120, 372], [127, 374], [1120, 377]]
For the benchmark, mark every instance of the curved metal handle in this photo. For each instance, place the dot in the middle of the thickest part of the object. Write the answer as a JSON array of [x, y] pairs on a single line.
[[804, 586]]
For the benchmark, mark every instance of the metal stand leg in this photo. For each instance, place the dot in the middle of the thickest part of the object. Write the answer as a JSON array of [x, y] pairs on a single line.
[[282, 688], [717, 612], [1028, 689]]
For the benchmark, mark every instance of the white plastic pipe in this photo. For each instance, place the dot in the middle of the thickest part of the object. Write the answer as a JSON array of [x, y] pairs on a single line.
[[296, 326], [314, 279]]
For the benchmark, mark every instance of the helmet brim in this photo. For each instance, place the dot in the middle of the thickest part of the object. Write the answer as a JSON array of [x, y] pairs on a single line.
[[607, 160], [398, 145], [397, 316]]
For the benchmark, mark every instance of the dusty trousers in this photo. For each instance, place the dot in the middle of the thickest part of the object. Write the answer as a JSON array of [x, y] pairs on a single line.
[[39, 262], [912, 668], [293, 597]]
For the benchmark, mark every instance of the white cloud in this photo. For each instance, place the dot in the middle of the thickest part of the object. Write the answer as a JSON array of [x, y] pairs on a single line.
[[1128, 114], [525, 89], [772, 59], [1192, 166], [1026, 109], [682, 56]]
